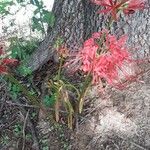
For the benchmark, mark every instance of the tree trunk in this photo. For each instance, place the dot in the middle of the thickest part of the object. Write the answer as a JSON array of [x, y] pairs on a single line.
[[77, 19]]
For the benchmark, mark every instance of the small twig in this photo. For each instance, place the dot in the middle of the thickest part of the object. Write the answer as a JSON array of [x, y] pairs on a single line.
[[33, 132], [31, 106], [21, 105], [23, 131]]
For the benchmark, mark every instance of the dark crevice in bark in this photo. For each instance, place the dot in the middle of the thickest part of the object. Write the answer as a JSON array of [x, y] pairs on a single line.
[[92, 20]]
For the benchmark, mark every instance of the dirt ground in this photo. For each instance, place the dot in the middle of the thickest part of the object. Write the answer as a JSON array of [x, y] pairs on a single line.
[[118, 120]]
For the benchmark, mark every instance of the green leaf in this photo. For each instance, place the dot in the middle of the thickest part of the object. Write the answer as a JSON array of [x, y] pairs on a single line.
[[49, 100], [48, 18], [37, 24], [24, 71], [4, 7], [14, 53], [20, 1], [35, 2], [36, 11], [14, 95], [37, 27], [32, 2], [35, 20]]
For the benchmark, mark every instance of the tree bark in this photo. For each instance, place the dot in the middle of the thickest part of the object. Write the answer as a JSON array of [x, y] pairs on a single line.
[[76, 20]]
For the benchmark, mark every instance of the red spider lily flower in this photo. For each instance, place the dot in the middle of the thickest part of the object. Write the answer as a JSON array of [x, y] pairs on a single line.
[[105, 65], [117, 47], [85, 56], [8, 61], [134, 5], [62, 51], [3, 69], [113, 6], [4, 64], [88, 55]]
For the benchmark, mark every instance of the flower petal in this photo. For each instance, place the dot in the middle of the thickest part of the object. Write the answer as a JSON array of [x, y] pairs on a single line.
[[7, 61], [3, 69]]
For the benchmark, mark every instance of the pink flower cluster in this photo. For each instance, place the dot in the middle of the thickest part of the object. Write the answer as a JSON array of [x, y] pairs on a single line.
[[114, 6], [102, 55]]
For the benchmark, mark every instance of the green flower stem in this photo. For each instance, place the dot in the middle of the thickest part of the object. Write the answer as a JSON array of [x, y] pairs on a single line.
[[73, 87], [59, 70], [110, 23], [85, 88]]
